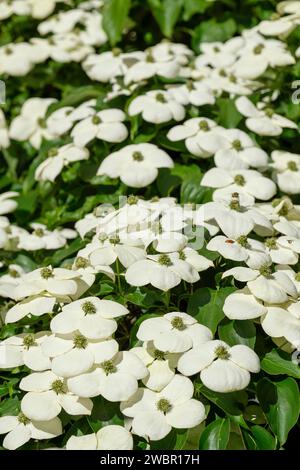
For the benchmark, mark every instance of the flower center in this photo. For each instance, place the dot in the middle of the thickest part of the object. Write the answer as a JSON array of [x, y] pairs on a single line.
[[271, 243], [269, 112], [81, 262], [265, 270], [292, 166], [216, 49], [178, 323], [8, 50], [159, 355], [42, 123], [235, 202], [132, 200], [23, 419], [258, 49], [160, 98], [89, 308], [108, 367], [116, 51], [237, 145], [114, 240], [39, 232], [243, 240], [46, 273], [164, 405], [137, 156], [80, 341], [102, 237], [203, 126], [96, 120], [13, 273], [222, 73], [182, 255], [232, 78], [190, 85], [58, 387], [149, 57], [165, 260], [239, 180], [297, 277], [222, 353], [52, 153], [29, 341]]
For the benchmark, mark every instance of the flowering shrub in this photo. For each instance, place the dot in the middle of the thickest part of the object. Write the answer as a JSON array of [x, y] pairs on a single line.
[[149, 224]]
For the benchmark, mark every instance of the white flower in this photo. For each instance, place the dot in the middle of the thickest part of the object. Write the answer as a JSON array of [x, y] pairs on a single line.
[[242, 305], [114, 379], [259, 54], [218, 54], [194, 132], [283, 250], [105, 67], [106, 125], [31, 124], [92, 317], [279, 26], [261, 119], [283, 322], [56, 281], [13, 7], [241, 249], [157, 106], [25, 349], [7, 202], [274, 288], [196, 93], [287, 171], [174, 332], [21, 429], [74, 354], [156, 413], [48, 395], [248, 182], [4, 136], [161, 365], [222, 368], [60, 121], [163, 271], [43, 9], [67, 47], [19, 58], [35, 305], [50, 168], [136, 165], [110, 437], [234, 150], [11, 279]]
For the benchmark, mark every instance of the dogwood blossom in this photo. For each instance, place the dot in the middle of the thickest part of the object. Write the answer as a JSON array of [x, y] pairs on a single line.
[[157, 106], [111, 437]]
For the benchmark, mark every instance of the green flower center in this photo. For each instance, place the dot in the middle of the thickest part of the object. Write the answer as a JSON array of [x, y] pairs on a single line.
[[102, 237], [178, 323], [182, 255], [216, 49], [58, 387], [239, 180], [80, 341], [108, 367], [235, 202], [42, 123], [190, 85], [29, 341], [269, 112], [96, 120], [159, 355], [258, 49], [232, 78], [271, 243], [222, 353], [165, 260], [237, 145], [116, 51], [137, 156], [52, 153], [89, 308], [292, 166], [39, 232], [23, 419], [164, 405], [297, 277], [203, 126], [46, 273], [13, 273], [222, 73], [114, 240], [132, 200], [243, 240], [160, 98], [265, 270], [81, 262]]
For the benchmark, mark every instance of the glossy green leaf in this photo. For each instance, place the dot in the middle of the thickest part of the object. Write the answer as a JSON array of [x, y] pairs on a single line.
[[216, 435]]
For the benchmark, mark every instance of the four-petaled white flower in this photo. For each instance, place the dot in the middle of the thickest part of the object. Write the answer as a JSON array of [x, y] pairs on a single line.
[[157, 106], [112, 437]]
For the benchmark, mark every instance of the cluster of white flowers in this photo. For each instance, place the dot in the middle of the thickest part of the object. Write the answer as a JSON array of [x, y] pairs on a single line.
[[144, 241]]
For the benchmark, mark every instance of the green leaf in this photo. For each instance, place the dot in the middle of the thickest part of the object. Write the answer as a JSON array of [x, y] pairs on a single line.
[[280, 402], [278, 362], [166, 13], [176, 439], [115, 13], [232, 403], [228, 115], [259, 439], [211, 31], [207, 305], [191, 7], [216, 435], [238, 332]]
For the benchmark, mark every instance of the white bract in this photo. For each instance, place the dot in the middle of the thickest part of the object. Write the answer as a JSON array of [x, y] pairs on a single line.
[[222, 368], [286, 167], [111, 437], [157, 106]]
